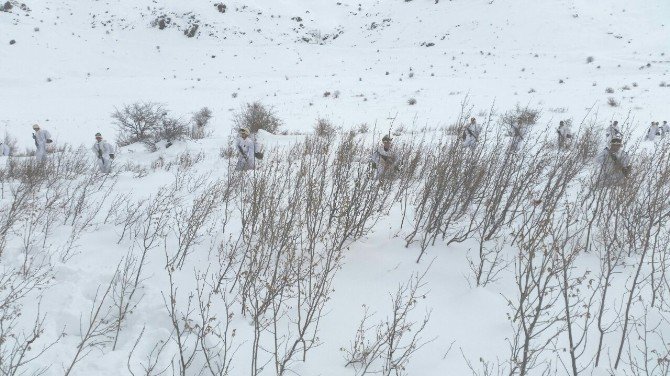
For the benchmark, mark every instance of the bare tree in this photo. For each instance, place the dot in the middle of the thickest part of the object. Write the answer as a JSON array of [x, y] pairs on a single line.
[[387, 347]]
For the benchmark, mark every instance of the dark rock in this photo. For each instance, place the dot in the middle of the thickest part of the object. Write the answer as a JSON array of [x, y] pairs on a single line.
[[191, 31], [221, 7]]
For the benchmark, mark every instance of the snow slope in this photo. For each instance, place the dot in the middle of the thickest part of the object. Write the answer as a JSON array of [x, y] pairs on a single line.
[[103, 54], [75, 61]]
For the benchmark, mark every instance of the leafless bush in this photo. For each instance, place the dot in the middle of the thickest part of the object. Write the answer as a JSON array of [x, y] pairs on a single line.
[[324, 128], [190, 221], [387, 347], [411, 101], [200, 120], [22, 347], [186, 332], [363, 128], [124, 295], [138, 121], [167, 130], [589, 60], [612, 102], [445, 195], [151, 366], [535, 327], [138, 170], [524, 116], [255, 116], [98, 330]]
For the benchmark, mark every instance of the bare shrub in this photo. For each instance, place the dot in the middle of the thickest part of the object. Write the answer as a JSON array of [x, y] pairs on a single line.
[[99, 330], [612, 102], [363, 128], [138, 121], [255, 116], [200, 120], [324, 128], [168, 130], [609, 90], [525, 116], [387, 347], [589, 60], [411, 101]]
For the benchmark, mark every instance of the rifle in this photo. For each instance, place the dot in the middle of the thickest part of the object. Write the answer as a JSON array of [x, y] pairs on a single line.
[[242, 152], [471, 134], [35, 138]]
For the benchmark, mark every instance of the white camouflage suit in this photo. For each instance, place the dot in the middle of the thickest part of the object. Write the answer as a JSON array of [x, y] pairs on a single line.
[[472, 132], [246, 147], [4, 149], [518, 133], [41, 136], [666, 129], [653, 131], [104, 153], [613, 131], [615, 165], [564, 135], [384, 159]]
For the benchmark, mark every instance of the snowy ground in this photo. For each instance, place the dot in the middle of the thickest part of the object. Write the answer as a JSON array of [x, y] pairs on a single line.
[[74, 62]]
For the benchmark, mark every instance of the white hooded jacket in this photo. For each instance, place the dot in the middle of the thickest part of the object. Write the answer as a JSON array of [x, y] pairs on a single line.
[[41, 138], [653, 131], [472, 132], [102, 149], [615, 165], [246, 148]]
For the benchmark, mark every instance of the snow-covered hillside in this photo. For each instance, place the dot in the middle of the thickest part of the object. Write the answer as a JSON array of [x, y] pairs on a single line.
[[88, 57], [78, 242]]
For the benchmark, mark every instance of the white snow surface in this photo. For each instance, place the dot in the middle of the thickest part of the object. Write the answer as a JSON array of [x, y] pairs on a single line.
[[74, 62]]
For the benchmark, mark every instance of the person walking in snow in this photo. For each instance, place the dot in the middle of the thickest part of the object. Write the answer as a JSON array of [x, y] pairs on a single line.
[[104, 153], [518, 133], [471, 134], [613, 131], [247, 151], [4, 149], [615, 163], [42, 137], [665, 129], [383, 158], [653, 131], [564, 135]]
